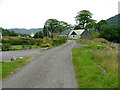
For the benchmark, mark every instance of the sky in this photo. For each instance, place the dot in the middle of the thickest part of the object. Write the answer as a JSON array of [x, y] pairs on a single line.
[[33, 13]]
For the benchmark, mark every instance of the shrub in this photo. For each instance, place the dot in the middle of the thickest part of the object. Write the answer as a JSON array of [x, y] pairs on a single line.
[[23, 46], [95, 34], [59, 40], [111, 34], [46, 45], [6, 47], [19, 41], [30, 46], [39, 42], [47, 40]]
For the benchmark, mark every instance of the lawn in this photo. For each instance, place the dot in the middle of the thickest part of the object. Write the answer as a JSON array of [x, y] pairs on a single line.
[[96, 66], [9, 68]]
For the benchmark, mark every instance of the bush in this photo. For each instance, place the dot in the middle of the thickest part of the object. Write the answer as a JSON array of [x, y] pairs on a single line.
[[59, 40], [46, 45], [111, 34], [6, 47], [39, 42], [95, 34], [23, 46], [19, 41], [30, 46], [47, 40]]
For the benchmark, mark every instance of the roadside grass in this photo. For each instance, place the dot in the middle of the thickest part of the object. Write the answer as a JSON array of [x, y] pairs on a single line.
[[16, 47], [96, 41], [0, 71], [19, 47], [9, 68], [53, 46], [61, 44], [88, 62]]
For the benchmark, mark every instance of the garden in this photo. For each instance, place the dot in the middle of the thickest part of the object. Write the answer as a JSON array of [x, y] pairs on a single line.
[[18, 43]]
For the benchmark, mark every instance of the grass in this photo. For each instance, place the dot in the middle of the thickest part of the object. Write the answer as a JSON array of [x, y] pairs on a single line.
[[16, 47], [53, 46], [87, 60], [0, 71], [9, 68], [19, 47]]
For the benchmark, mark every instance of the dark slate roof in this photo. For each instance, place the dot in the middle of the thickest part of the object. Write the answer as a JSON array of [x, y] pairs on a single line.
[[66, 32]]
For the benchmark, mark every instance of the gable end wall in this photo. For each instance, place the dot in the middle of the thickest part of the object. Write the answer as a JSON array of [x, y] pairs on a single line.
[[86, 35]]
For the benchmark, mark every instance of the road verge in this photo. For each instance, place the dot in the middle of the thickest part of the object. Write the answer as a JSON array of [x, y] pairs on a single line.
[[86, 61]]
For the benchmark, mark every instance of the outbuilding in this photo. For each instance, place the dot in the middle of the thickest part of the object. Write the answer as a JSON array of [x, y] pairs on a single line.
[[80, 34]]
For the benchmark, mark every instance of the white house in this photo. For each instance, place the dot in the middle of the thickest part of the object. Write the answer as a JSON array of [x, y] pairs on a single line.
[[77, 34], [32, 35]]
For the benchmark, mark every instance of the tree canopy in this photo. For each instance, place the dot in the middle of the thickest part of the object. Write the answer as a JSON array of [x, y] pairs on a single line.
[[55, 26], [100, 24], [6, 32], [111, 34], [39, 35], [84, 19]]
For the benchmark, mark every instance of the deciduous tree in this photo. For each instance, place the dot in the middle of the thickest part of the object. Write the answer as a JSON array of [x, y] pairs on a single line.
[[84, 19]]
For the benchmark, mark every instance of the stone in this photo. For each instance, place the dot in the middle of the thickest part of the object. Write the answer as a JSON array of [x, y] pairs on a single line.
[[19, 58], [13, 58]]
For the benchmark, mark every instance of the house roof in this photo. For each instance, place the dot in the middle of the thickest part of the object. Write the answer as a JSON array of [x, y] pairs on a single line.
[[55, 33], [66, 32], [78, 32]]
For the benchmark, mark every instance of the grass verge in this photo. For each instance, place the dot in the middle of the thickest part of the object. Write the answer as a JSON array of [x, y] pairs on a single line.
[[19, 47], [88, 62], [9, 68], [47, 48]]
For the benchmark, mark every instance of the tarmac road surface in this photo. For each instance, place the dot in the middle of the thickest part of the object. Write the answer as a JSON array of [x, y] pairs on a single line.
[[49, 69], [7, 55]]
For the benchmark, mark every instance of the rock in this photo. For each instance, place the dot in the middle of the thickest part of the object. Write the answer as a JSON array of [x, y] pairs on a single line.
[[104, 41], [19, 58], [13, 58]]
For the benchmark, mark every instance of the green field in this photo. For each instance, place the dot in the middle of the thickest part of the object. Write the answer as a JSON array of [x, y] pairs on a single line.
[[9, 68], [96, 66]]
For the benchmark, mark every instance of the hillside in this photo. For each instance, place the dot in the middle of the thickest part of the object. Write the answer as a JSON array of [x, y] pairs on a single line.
[[26, 31], [113, 21], [6, 32]]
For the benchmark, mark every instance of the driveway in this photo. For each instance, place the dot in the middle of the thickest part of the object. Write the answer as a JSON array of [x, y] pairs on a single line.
[[49, 69]]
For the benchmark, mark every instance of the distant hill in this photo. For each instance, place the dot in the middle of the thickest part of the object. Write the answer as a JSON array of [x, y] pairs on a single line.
[[26, 31], [113, 21], [6, 32]]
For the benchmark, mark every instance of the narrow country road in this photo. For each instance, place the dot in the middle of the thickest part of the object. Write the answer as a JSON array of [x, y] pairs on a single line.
[[49, 69]]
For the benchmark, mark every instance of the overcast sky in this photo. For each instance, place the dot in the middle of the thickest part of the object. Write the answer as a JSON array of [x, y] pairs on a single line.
[[34, 13]]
